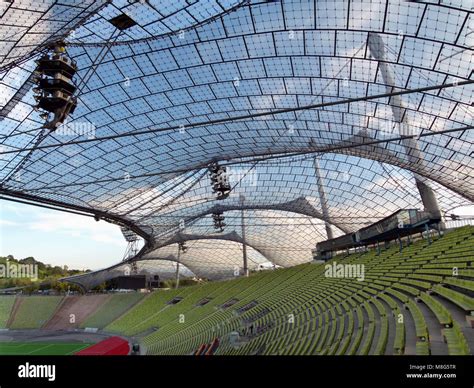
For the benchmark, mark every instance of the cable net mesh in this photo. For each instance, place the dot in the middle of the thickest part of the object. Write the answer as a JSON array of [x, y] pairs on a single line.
[[192, 83]]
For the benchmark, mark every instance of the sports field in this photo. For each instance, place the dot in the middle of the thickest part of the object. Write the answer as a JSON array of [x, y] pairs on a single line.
[[40, 348]]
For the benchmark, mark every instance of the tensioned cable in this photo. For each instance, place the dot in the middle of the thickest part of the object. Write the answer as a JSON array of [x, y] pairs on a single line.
[[167, 34], [249, 116], [41, 136], [45, 206], [305, 217], [253, 166], [194, 220], [426, 78], [102, 53], [54, 38], [281, 224], [173, 200], [379, 141], [264, 158], [212, 248], [161, 194]]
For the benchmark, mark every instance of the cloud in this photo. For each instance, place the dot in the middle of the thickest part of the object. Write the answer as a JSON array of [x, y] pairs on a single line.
[[8, 223], [16, 209], [108, 239], [77, 227]]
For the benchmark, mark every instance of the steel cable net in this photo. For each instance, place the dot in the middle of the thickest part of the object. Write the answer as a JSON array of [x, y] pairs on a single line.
[[28, 26], [189, 83], [166, 270], [209, 260]]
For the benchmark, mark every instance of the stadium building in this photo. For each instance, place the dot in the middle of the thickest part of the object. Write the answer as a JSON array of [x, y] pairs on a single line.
[[308, 163]]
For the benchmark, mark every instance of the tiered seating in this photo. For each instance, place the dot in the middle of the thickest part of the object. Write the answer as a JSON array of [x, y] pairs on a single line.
[[35, 311], [142, 314], [112, 309], [322, 324], [223, 321], [419, 319], [299, 310], [457, 343], [6, 305], [460, 283], [463, 301], [73, 310]]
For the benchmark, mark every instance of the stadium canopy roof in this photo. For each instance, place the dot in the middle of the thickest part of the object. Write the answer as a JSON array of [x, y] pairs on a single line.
[[377, 95]]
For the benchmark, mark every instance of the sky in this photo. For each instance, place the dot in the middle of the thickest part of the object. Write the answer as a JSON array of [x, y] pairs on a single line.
[[58, 238]]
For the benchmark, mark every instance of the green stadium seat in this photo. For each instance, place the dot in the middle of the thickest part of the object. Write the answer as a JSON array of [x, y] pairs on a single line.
[[331, 315]]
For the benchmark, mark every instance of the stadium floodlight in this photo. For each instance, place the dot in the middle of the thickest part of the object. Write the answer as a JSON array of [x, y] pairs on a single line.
[[182, 247], [219, 180], [55, 87], [218, 218]]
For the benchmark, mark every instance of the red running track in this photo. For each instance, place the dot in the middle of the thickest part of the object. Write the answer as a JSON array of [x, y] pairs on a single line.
[[113, 346]]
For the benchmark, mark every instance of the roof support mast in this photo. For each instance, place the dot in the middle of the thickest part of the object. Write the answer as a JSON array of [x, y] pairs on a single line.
[[177, 272], [244, 244], [322, 199], [182, 248], [428, 198]]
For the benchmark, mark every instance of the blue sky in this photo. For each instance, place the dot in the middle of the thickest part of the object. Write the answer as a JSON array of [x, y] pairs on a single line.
[[58, 238]]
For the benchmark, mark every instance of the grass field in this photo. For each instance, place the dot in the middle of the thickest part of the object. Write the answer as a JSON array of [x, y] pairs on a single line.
[[39, 348]]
